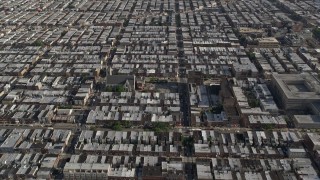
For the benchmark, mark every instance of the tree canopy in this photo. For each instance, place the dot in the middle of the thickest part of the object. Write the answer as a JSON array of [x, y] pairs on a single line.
[[316, 33]]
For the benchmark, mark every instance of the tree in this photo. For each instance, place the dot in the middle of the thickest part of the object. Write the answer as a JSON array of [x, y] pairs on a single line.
[[115, 89], [178, 20], [118, 37], [63, 33], [254, 103], [38, 43], [210, 141], [160, 126], [119, 88], [236, 32], [316, 33], [126, 124], [103, 72], [93, 128], [217, 109], [251, 55], [187, 141], [109, 89], [296, 17], [125, 22], [117, 126], [71, 6], [153, 79], [243, 40], [268, 127]]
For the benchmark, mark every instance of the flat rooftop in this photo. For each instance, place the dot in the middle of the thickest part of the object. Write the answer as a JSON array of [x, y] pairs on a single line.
[[298, 86], [268, 40], [307, 119]]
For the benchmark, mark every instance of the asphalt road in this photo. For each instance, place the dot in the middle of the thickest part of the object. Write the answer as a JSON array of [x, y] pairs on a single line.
[[185, 104], [74, 128]]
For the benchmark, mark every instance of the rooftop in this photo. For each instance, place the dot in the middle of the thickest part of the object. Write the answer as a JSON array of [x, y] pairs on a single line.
[[298, 86]]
